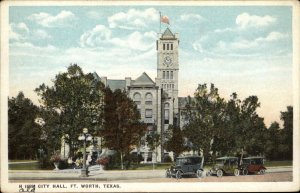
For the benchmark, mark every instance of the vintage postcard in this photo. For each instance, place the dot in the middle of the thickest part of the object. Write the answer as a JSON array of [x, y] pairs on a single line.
[[149, 96]]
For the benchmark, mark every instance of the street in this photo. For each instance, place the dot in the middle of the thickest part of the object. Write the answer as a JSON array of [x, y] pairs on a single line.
[[268, 177], [275, 174]]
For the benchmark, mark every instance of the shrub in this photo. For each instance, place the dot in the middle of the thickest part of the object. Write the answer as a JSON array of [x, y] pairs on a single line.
[[167, 159], [63, 164], [103, 161], [55, 157]]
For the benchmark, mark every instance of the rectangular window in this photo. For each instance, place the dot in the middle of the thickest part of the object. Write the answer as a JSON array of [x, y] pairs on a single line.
[[171, 75], [172, 86], [164, 46], [164, 74], [148, 113], [167, 46], [148, 102], [139, 110], [167, 116], [137, 103], [171, 46], [167, 75]]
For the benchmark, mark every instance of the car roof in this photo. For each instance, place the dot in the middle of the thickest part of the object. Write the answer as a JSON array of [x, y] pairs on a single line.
[[182, 157], [254, 157], [227, 158]]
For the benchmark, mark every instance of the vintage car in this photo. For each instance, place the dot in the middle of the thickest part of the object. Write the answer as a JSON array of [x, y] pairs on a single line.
[[186, 165], [253, 165], [225, 165]]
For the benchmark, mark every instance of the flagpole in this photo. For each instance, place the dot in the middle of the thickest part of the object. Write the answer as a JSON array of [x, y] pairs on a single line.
[[159, 22]]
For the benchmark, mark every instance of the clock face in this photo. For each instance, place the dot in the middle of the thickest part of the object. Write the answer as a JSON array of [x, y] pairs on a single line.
[[168, 60]]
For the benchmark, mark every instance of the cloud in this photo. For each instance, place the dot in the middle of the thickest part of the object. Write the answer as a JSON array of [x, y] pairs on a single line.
[[64, 18], [191, 17], [101, 36], [20, 32], [94, 14], [41, 34], [28, 49], [249, 37], [134, 19], [273, 36], [96, 37], [246, 20]]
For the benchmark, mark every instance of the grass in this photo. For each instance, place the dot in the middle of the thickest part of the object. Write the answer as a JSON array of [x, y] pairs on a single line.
[[278, 163], [25, 166], [12, 161]]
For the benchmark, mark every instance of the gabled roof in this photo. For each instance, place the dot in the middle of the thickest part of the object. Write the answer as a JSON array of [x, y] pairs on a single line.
[[144, 79], [168, 34], [96, 77], [116, 84]]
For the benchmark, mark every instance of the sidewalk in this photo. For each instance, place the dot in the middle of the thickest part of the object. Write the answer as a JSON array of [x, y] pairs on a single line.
[[94, 174], [102, 175]]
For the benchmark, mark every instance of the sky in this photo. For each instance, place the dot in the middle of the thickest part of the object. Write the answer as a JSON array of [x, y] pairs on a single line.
[[242, 49]]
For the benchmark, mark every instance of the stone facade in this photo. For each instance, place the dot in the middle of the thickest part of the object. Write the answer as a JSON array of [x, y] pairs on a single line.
[[157, 101]]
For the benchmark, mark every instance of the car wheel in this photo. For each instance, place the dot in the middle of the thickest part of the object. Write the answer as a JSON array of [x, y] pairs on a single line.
[[219, 173], [245, 172], [200, 173], [208, 173], [262, 171], [236, 172], [178, 175]]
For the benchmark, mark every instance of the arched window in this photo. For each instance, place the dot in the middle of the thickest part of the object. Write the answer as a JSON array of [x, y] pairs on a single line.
[[167, 105], [137, 96], [148, 99], [137, 99]]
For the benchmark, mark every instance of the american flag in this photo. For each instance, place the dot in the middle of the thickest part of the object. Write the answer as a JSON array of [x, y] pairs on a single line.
[[164, 19]]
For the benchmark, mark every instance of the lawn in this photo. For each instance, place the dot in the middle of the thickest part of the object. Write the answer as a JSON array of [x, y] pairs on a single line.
[[23, 166], [279, 163], [13, 161]]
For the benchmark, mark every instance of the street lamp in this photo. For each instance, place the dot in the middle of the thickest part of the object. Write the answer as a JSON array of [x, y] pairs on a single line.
[[85, 137]]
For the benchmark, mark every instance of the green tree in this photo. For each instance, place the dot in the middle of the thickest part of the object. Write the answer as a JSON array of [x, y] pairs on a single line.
[[77, 98], [204, 112], [286, 140], [122, 129], [251, 128], [24, 134], [175, 141], [272, 141]]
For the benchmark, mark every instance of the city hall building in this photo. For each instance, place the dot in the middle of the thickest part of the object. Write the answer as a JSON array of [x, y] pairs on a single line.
[[157, 100]]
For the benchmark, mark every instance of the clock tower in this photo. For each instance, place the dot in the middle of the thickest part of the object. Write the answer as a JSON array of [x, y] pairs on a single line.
[[167, 71]]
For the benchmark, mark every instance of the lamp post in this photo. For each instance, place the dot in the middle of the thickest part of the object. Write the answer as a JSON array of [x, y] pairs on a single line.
[[85, 137]]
